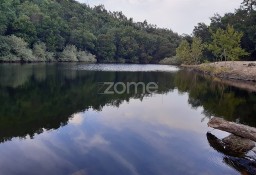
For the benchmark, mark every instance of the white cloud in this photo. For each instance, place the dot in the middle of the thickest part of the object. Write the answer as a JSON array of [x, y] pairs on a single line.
[[163, 113], [179, 15], [77, 119]]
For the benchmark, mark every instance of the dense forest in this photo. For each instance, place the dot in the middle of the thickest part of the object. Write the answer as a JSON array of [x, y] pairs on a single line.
[[230, 37], [66, 30]]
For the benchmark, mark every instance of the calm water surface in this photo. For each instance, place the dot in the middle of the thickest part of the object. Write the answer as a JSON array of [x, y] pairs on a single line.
[[54, 121]]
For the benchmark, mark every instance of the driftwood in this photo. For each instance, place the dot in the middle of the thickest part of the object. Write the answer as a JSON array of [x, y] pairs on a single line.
[[231, 145], [235, 149], [234, 128]]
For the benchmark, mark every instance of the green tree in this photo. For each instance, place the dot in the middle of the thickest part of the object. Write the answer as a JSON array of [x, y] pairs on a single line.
[[83, 39], [128, 48], [190, 54], [24, 28], [39, 51], [243, 20], [31, 10], [226, 44], [196, 50], [183, 52], [106, 49], [3, 24], [5, 48], [249, 4], [50, 57], [7, 16], [202, 31]]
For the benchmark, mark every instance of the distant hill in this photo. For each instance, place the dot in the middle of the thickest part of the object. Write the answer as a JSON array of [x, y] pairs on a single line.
[[66, 30]]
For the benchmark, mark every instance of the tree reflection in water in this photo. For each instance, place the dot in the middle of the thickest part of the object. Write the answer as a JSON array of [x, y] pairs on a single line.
[[38, 97]]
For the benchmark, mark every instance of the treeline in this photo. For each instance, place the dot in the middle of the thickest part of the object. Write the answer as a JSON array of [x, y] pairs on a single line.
[[65, 30], [228, 38]]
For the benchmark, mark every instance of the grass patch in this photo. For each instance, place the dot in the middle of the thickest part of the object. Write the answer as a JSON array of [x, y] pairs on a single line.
[[213, 69]]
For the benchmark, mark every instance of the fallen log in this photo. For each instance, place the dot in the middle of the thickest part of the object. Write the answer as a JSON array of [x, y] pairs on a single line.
[[231, 145], [234, 128], [235, 149]]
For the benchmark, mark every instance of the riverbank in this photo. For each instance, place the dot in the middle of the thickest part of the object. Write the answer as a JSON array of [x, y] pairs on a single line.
[[238, 70], [241, 74]]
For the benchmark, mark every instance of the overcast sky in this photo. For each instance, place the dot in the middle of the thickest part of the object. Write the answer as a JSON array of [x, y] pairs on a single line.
[[179, 15]]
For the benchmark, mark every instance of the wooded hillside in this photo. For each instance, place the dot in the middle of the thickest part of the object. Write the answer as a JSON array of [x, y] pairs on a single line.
[[66, 30]]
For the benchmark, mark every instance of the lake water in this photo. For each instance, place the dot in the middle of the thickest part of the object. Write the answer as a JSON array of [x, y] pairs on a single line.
[[53, 120]]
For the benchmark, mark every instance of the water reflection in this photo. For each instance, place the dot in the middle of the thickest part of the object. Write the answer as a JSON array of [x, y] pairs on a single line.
[[218, 99], [40, 96], [52, 119]]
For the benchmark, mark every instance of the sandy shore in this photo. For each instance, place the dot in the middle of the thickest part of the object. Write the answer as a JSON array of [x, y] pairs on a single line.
[[241, 74], [238, 70]]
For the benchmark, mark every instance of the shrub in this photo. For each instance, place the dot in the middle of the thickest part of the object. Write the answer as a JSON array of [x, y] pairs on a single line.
[[13, 49], [20, 49], [50, 57], [69, 54], [86, 57], [39, 51]]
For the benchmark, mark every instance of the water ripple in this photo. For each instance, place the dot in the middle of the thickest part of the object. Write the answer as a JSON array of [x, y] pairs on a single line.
[[127, 68]]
